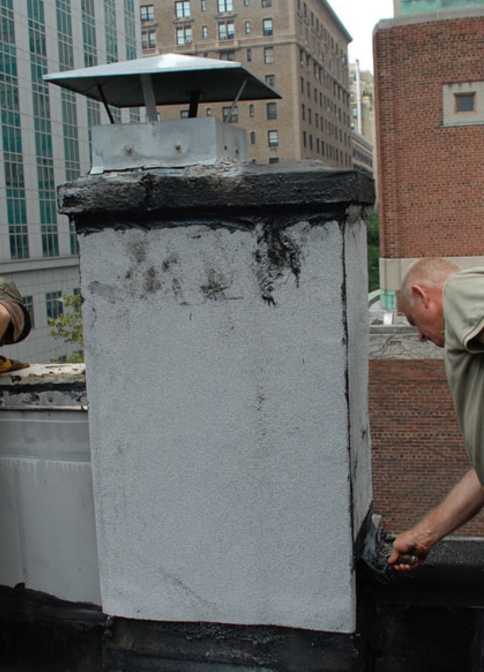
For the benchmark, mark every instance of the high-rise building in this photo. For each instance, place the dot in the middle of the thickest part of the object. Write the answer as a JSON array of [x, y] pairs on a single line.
[[362, 117], [429, 89], [299, 47], [46, 141]]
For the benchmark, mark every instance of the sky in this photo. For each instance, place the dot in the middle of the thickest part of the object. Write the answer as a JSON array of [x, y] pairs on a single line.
[[359, 18]]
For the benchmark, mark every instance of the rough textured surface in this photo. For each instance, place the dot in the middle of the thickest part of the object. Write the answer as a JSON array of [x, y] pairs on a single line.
[[223, 474], [356, 313], [204, 647], [141, 198], [44, 385]]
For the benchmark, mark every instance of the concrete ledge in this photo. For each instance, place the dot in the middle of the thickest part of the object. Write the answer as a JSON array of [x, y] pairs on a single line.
[[400, 342], [451, 576], [427, 17], [44, 386]]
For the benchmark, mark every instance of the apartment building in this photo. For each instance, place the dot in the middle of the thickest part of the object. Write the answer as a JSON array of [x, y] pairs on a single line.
[[46, 141], [297, 46], [429, 88], [362, 117]]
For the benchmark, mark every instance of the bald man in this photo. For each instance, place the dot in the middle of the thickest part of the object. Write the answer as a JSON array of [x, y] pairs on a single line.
[[446, 304]]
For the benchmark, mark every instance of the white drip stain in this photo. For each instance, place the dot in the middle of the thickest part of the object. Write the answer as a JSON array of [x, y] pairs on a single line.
[[32, 464]]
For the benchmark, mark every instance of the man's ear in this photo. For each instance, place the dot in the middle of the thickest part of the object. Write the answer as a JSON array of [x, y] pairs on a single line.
[[421, 293]]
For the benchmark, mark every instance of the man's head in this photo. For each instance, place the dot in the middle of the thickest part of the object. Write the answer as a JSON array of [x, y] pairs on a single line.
[[421, 296]]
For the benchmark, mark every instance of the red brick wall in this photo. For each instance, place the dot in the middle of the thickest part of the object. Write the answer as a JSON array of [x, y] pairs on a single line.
[[431, 182], [418, 453]]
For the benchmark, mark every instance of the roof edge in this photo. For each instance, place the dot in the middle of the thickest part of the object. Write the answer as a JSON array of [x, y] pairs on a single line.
[[428, 17]]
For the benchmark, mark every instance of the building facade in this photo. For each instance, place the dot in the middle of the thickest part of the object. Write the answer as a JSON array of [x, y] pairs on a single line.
[[407, 7], [429, 87], [297, 46], [46, 141], [362, 117]]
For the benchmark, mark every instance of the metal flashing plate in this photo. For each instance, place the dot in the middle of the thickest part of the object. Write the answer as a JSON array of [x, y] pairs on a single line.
[[166, 144]]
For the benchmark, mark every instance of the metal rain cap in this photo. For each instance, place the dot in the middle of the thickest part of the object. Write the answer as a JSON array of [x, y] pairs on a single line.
[[174, 79]]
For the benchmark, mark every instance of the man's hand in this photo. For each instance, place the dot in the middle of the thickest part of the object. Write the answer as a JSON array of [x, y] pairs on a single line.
[[409, 550]]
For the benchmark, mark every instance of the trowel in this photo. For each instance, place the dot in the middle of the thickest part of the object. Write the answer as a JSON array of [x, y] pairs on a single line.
[[377, 548]]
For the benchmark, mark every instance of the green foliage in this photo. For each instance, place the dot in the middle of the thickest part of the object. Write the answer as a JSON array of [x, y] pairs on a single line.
[[373, 239], [68, 326]]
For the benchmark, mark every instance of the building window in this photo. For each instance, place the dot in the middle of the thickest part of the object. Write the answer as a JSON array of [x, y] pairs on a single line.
[[209, 111], [74, 244], [28, 302], [267, 27], [247, 27], [465, 102], [251, 110], [203, 5], [271, 80], [227, 55], [234, 115], [311, 142], [183, 114], [147, 12], [268, 55], [184, 35], [226, 30], [273, 138], [249, 54], [310, 119], [182, 9], [246, 3], [53, 305], [272, 110], [266, 3], [302, 84], [252, 137], [148, 39], [274, 159], [224, 6], [304, 139], [309, 90], [204, 32], [303, 112]]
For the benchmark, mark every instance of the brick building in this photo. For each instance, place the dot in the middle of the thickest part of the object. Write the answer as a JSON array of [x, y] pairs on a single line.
[[429, 87], [300, 48]]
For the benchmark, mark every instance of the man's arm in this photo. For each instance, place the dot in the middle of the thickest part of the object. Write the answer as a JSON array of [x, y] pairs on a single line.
[[460, 505]]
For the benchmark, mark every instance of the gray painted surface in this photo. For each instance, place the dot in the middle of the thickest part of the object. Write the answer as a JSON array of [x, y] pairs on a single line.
[[221, 475], [46, 500], [357, 327]]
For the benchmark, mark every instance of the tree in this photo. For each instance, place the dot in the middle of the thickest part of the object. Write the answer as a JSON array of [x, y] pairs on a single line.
[[68, 326]]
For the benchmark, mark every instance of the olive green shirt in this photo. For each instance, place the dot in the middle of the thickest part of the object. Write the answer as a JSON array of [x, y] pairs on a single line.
[[463, 305]]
